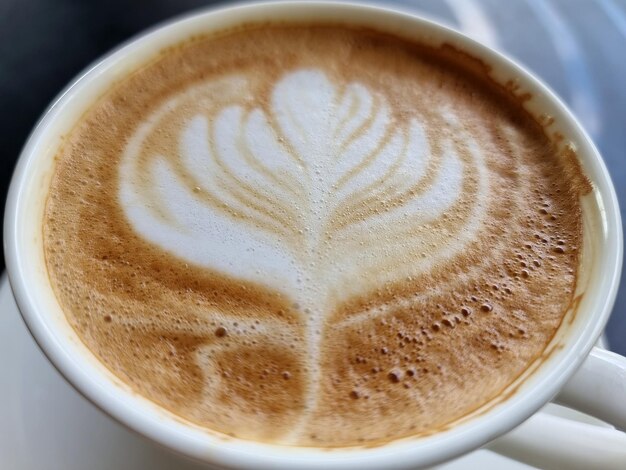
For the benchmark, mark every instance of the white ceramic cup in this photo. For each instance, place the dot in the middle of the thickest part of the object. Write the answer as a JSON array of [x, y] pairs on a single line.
[[598, 387]]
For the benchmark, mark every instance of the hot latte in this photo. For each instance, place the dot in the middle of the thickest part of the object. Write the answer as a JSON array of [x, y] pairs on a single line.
[[314, 235]]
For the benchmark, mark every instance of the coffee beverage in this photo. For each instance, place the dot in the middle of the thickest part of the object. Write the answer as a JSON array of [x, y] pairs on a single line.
[[317, 235]]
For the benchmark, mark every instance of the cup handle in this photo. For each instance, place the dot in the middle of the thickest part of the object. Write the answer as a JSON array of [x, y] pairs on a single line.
[[555, 443], [598, 388]]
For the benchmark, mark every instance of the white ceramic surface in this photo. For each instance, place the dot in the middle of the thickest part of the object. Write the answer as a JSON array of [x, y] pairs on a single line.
[[47, 323]]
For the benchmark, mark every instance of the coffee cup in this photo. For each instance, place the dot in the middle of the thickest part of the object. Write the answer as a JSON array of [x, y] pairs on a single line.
[[568, 352]]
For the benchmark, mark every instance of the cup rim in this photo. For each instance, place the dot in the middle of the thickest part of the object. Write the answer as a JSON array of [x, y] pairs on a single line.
[[243, 454]]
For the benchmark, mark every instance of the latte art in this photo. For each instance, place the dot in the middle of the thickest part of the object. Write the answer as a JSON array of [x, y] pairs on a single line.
[[301, 198], [279, 243]]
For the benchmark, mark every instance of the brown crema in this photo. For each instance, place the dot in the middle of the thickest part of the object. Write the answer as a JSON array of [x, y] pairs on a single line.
[[408, 355]]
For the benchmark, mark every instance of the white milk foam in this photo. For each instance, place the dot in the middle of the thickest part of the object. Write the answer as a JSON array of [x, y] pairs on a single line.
[[321, 159], [273, 187]]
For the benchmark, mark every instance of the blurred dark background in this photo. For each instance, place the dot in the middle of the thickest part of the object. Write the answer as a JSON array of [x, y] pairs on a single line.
[[577, 46]]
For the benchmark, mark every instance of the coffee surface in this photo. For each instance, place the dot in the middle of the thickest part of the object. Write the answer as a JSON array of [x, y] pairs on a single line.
[[313, 235]]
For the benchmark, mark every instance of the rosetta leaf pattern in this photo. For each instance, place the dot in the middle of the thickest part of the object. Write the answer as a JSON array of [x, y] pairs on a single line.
[[322, 192], [325, 173]]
